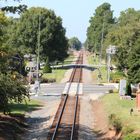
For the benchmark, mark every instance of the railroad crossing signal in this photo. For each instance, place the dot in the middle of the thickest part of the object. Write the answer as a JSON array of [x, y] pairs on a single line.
[[27, 68], [111, 68], [111, 50]]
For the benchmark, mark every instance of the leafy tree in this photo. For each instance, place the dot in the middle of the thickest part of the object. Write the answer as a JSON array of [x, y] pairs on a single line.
[[99, 26], [23, 35], [75, 43], [3, 25], [4, 55], [128, 16], [4, 50], [14, 9], [125, 35], [11, 90], [134, 64]]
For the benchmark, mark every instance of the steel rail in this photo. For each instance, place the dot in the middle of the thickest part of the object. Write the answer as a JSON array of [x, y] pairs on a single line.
[[76, 104], [65, 100]]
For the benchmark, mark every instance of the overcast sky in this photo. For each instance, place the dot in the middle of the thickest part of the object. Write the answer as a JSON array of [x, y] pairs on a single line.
[[76, 13]]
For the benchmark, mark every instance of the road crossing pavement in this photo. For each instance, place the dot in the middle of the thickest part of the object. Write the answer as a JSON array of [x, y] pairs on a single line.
[[74, 88], [55, 89], [97, 88]]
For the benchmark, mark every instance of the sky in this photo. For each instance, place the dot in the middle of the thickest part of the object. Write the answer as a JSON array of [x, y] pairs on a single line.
[[76, 14]]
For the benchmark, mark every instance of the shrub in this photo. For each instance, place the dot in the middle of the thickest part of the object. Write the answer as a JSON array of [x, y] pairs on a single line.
[[127, 130], [111, 91], [115, 122], [46, 80], [47, 67], [131, 137], [11, 90], [115, 77], [128, 89]]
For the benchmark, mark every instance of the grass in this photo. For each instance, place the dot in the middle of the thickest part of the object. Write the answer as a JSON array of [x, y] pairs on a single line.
[[114, 105], [104, 74], [116, 76], [69, 60], [95, 61], [57, 74], [25, 106]]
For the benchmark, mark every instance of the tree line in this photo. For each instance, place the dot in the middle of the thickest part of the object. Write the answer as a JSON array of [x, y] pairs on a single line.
[[123, 32], [36, 27]]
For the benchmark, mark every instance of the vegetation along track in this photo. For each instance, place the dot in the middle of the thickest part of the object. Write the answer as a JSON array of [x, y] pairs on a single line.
[[65, 124]]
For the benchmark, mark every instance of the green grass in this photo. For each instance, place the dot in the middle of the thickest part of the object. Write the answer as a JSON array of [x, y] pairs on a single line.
[[116, 76], [121, 107], [104, 74], [25, 107], [69, 60], [57, 74], [94, 61]]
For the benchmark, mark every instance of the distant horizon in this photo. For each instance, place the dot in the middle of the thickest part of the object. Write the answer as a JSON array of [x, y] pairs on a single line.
[[76, 14]]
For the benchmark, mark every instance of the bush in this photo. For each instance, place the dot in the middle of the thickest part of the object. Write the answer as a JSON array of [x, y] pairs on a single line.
[[127, 130], [46, 80], [47, 67], [111, 91], [131, 137], [115, 122], [128, 89], [115, 77], [11, 90]]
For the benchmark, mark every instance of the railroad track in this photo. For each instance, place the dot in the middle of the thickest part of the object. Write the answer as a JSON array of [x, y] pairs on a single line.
[[65, 124]]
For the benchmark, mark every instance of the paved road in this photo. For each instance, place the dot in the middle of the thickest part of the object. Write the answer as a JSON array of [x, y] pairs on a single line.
[[57, 89], [94, 88]]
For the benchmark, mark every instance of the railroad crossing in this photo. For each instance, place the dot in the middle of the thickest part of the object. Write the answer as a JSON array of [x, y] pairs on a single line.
[[54, 89]]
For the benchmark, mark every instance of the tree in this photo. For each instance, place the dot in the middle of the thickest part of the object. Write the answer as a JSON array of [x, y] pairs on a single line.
[[24, 34], [4, 50], [124, 35], [75, 43], [99, 26], [14, 9], [134, 64], [11, 90], [3, 24]]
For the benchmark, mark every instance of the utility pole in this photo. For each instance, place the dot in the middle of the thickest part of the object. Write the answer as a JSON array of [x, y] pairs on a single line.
[[37, 82], [102, 39], [110, 51], [38, 46]]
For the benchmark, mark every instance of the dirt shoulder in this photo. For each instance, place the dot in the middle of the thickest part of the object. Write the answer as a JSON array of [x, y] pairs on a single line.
[[101, 122]]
